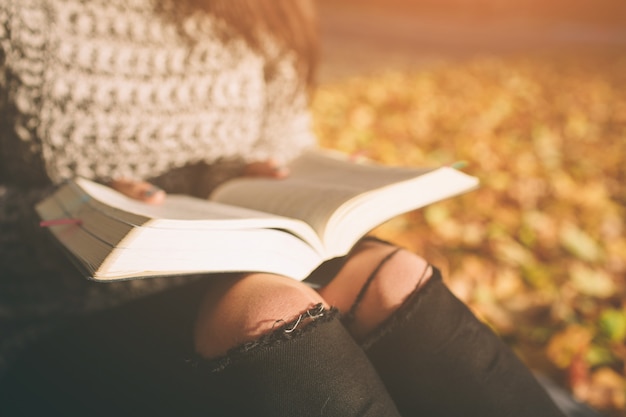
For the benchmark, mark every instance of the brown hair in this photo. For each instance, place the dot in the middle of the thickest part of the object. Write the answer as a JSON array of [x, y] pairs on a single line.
[[292, 23]]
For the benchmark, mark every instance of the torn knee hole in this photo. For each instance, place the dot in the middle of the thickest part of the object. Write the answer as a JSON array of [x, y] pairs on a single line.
[[395, 279], [303, 319]]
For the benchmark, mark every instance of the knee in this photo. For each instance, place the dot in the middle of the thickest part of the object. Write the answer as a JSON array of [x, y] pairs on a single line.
[[375, 281], [240, 310], [399, 277]]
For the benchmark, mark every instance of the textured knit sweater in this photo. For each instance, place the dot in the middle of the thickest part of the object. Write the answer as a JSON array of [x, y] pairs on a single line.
[[122, 88]]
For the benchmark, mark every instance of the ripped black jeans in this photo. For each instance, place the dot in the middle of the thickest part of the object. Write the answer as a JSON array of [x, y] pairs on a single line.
[[430, 358]]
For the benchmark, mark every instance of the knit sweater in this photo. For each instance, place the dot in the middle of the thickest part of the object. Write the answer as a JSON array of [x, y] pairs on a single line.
[[139, 89]]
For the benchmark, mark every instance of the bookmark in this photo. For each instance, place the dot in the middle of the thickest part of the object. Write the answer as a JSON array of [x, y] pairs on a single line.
[[58, 222], [459, 165]]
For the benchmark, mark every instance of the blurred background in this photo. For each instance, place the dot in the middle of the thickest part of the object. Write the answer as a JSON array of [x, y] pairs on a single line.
[[531, 95]]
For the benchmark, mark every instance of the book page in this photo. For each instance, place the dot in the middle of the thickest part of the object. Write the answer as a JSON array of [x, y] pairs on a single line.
[[180, 212], [320, 182], [105, 249], [334, 168], [117, 214], [245, 250], [369, 209], [175, 207]]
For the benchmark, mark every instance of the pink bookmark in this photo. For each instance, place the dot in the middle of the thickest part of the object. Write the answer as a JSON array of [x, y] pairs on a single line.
[[58, 222]]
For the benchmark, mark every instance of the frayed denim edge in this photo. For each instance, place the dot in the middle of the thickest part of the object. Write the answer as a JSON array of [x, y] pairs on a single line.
[[285, 332]]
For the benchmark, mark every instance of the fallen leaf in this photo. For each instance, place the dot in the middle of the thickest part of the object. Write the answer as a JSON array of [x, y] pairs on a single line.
[[591, 281], [580, 243]]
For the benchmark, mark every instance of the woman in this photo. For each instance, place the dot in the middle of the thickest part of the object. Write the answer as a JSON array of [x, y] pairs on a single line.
[[152, 97]]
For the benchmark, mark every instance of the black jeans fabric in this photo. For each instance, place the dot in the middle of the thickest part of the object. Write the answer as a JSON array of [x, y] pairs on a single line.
[[318, 371], [437, 359], [432, 358], [138, 360], [127, 361]]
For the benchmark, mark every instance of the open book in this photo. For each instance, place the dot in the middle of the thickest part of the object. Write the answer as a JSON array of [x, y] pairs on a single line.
[[287, 226]]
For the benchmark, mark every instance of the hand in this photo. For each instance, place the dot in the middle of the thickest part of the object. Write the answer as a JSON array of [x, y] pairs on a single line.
[[269, 168], [151, 194], [139, 190]]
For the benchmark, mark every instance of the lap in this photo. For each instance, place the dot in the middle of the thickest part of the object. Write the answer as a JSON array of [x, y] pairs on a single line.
[[122, 361]]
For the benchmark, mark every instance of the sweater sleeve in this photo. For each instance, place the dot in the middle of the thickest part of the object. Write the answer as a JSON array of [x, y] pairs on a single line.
[[286, 130]]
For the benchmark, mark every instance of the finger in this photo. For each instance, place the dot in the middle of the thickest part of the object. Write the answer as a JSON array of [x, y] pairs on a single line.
[[266, 169], [152, 195], [139, 190]]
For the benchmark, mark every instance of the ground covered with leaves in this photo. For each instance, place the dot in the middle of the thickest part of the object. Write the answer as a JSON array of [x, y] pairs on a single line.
[[539, 251]]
